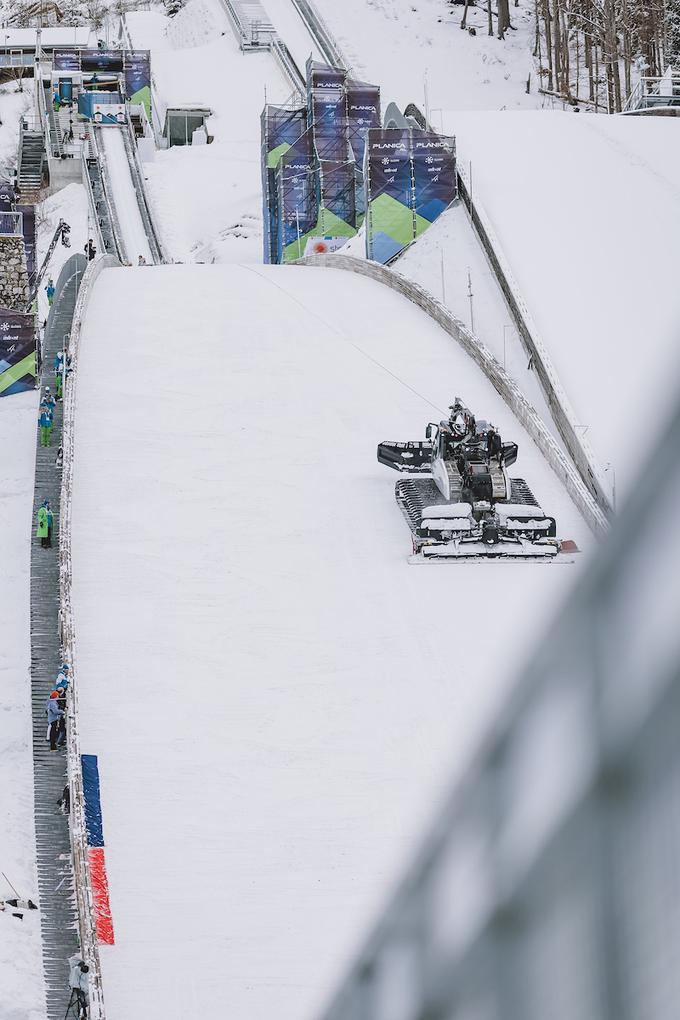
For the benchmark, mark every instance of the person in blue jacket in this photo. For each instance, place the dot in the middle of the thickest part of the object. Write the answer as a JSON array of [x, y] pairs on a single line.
[[54, 714], [48, 400], [63, 679], [49, 290], [45, 423]]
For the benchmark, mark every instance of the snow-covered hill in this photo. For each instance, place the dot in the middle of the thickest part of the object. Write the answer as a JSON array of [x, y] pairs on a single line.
[[275, 695]]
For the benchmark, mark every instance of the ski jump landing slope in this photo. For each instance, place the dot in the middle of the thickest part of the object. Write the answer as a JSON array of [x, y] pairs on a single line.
[[275, 695]]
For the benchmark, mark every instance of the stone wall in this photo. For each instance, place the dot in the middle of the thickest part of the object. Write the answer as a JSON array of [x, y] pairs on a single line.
[[13, 274]]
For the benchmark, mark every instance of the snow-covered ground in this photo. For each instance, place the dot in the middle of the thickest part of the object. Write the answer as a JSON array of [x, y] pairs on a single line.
[[69, 204], [12, 105], [419, 54], [291, 28], [276, 696], [588, 214], [22, 995], [207, 199]]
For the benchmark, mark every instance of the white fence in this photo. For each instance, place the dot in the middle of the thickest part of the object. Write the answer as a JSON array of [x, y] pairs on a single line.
[[83, 885]]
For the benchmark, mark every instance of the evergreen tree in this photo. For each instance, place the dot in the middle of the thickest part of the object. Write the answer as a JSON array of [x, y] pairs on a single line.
[[673, 34]]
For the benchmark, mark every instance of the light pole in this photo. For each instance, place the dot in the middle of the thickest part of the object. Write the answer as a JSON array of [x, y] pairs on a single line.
[[507, 325], [610, 467]]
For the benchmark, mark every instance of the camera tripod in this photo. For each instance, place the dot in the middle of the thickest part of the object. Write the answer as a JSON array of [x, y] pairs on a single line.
[[77, 1005]]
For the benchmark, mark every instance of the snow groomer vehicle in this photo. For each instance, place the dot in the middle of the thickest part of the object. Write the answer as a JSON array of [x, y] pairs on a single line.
[[458, 498]]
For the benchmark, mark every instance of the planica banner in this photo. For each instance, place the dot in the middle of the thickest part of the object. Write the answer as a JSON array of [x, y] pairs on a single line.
[[17, 352]]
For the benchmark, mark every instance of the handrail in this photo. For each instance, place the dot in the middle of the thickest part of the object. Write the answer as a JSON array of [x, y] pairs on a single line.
[[81, 870], [320, 32], [287, 63], [492, 369], [106, 188], [140, 190], [101, 243], [561, 410]]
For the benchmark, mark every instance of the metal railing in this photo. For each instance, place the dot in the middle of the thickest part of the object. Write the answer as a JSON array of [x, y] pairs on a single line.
[[650, 92], [560, 407], [140, 190], [17, 59], [546, 885], [321, 33], [11, 224]]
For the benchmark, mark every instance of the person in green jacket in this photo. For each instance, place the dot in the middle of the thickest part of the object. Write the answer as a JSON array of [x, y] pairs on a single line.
[[43, 530]]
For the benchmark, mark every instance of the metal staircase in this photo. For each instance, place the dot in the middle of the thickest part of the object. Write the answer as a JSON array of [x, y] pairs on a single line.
[[32, 160], [55, 873], [100, 206]]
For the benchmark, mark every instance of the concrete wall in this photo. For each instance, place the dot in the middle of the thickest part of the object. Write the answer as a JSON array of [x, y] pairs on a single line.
[[13, 273]]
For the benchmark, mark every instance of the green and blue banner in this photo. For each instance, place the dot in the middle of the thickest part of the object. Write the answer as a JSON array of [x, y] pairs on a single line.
[[18, 366], [137, 68], [281, 128], [297, 200], [410, 181], [389, 191]]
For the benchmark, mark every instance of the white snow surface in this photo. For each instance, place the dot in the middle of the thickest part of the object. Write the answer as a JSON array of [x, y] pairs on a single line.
[[276, 696], [13, 105], [588, 215], [124, 195], [21, 979], [71, 205], [292, 29], [417, 53]]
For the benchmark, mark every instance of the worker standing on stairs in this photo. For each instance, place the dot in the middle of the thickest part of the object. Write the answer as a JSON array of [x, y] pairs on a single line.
[[45, 423], [49, 290], [59, 373], [54, 714], [42, 530], [90, 249]]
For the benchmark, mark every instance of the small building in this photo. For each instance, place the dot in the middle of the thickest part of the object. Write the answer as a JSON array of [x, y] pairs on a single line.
[[181, 122]]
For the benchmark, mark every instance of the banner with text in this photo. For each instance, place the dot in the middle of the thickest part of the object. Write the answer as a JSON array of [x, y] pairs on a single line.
[[281, 128], [297, 200], [389, 189], [410, 181], [17, 352]]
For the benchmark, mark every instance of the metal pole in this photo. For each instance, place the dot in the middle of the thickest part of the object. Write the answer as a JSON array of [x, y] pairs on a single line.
[[470, 296], [506, 326], [297, 220]]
